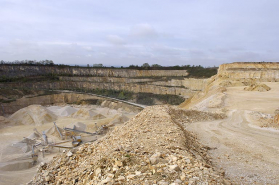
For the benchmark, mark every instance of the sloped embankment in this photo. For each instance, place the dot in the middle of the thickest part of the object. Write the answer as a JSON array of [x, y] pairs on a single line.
[[151, 148]]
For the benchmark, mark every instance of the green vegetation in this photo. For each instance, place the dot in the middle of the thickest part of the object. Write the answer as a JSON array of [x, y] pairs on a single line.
[[140, 98], [122, 95], [149, 99], [7, 100], [28, 62], [47, 77], [201, 72], [194, 71], [10, 95]]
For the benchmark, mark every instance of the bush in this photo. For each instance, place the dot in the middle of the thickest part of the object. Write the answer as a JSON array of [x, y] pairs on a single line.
[[148, 98]]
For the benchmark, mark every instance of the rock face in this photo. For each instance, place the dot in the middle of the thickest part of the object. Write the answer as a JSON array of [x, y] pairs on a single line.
[[146, 81], [133, 87], [234, 74], [68, 98], [260, 71], [148, 149], [21, 71]]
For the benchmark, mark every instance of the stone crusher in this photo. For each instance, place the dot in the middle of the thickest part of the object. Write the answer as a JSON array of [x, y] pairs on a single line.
[[77, 139], [45, 145]]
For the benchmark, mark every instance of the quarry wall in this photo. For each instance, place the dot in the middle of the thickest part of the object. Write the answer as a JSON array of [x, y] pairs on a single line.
[[261, 71], [69, 98], [21, 71], [75, 85], [145, 81]]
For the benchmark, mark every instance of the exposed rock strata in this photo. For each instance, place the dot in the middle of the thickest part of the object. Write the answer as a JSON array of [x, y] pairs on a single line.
[[21, 70], [62, 98], [261, 71], [70, 85]]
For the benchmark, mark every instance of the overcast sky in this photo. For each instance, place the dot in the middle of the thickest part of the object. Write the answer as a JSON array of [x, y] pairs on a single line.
[[125, 32]]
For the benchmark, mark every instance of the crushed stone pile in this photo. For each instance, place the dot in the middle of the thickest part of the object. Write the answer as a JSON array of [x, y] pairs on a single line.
[[265, 120], [33, 115], [118, 119], [276, 117], [107, 111], [258, 87], [98, 116], [62, 111], [151, 148], [185, 116], [77, 126], [84, 113], [4, 121]]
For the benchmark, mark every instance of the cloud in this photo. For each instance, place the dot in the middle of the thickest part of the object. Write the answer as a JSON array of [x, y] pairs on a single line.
[[115, 40], [175, 32], [144, 31]]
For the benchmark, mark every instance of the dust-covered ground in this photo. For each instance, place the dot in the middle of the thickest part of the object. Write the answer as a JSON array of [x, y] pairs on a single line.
[[245, 145], [15, 154]]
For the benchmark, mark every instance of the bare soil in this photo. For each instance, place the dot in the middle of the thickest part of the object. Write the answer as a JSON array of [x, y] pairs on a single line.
[[15, 159], [240, 146]]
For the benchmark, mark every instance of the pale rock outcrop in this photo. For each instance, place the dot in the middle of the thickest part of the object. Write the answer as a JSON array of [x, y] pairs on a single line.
[[260, 71]]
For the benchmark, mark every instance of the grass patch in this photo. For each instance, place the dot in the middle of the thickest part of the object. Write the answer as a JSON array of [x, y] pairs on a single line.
[[149, 98]]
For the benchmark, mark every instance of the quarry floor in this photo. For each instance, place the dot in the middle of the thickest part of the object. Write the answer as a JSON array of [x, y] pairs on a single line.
[[15, 166], [246, 152]]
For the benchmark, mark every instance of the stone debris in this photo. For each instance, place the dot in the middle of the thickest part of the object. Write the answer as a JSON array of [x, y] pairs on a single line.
[[33, 115], [257, 87], [185, 116], [276, 117], [265, 120], [150, 148]]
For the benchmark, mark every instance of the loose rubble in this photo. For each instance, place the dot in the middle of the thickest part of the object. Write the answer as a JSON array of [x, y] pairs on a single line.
[[258, 87], [185, 116], [151, 148]]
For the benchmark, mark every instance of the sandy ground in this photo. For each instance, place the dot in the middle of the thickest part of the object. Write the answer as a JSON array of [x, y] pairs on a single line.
[[14, 162], [247, 153]]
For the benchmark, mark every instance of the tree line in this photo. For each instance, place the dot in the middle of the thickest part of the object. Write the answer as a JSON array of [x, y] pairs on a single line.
[[193, 71], [27, 62]]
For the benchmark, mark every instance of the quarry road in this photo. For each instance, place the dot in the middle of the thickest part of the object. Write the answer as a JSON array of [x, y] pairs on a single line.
[[247, 154]]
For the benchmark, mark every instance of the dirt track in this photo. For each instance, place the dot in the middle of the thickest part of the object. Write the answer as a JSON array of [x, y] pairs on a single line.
[[246, 154]]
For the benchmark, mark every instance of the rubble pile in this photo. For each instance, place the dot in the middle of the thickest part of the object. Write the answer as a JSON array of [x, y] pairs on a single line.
[[33, 115], [185, 116], [276, 117], [257, 87], [148, 149], [266, 120]]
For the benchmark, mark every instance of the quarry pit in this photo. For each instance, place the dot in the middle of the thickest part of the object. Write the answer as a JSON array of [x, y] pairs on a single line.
[[226, 131]]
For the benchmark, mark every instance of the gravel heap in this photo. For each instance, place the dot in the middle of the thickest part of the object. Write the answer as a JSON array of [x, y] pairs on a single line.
[[151, 148], [185, 116], [258, 87]]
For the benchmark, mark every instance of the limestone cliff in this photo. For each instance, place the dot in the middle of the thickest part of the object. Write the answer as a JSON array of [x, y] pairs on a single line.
[[138, 81], [21, 71], [260, 71], [234, 74], [133, 87], [61, 98]]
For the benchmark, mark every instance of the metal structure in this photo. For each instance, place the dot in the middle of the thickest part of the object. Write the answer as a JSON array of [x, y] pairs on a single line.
[[74, 130], [58, 131], [42, 144]]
